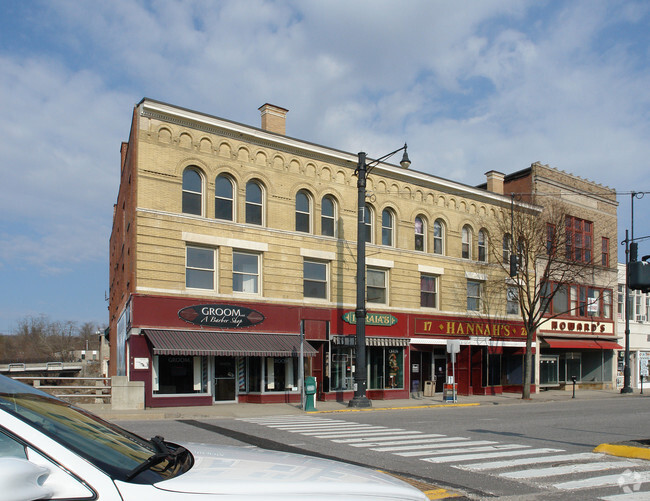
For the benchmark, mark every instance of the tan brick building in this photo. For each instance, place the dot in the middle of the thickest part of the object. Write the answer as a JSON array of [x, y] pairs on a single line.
[[229, 241]]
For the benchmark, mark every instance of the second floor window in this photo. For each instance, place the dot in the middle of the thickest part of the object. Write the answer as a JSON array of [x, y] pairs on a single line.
[[303, 212], [428, 291], [314, 279], [474, 290], [512, 300], [579, 239], [245, 272], [199, 268], [376, 289], [253, 203], [192, 191]]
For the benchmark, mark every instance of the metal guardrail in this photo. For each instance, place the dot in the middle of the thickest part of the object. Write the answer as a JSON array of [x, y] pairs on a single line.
[[100, 391]]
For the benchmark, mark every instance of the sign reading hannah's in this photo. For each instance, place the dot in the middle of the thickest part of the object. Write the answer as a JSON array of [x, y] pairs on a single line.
[[221, 315]]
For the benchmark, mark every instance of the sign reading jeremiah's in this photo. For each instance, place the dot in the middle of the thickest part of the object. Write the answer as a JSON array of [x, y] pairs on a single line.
[[371, 319], [458, 327], [221, 315]]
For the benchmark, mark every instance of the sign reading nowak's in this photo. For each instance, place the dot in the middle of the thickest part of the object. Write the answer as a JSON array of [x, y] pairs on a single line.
[[221, 315]]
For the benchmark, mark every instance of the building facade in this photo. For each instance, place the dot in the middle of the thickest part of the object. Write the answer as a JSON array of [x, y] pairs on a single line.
[[233, 265], [580, 338], [639, 336]]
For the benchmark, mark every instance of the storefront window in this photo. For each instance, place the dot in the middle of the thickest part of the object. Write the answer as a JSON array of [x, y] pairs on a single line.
[[180, 375], [386, 368], [281, 373], [342, 363]]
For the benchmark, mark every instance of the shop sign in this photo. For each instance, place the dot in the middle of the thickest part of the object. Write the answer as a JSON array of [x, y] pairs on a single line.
[[381, 319], [455, 327], [221, 315], [557, 325]]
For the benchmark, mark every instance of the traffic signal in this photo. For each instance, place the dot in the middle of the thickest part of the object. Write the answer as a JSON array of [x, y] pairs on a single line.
[[639, 271]]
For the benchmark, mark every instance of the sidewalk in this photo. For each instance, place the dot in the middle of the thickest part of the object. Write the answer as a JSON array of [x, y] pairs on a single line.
[[235, 410]]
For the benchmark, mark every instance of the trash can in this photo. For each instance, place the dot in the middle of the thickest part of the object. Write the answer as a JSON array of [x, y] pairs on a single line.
[[310, 393], [428, 388]]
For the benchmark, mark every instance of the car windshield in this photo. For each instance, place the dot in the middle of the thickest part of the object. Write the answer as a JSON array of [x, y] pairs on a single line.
[[111, 448]]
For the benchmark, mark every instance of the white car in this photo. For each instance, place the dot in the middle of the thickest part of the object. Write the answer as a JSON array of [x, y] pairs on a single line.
[[50, 449]]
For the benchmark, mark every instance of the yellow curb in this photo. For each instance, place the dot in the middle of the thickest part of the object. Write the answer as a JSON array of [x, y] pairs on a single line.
[[429, 490], [393, 408], [626, 451]]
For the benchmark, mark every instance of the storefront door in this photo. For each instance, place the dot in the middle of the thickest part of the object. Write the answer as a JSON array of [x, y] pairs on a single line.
[[224, 379]]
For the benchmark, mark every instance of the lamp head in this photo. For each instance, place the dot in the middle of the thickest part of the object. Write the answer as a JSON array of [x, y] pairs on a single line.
[[405, 162]]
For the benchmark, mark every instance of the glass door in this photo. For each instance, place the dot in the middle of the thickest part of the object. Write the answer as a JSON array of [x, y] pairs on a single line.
[[225, 371]]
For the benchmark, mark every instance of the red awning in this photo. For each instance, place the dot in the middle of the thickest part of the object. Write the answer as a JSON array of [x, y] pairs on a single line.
[[581, 344], [241, 344]]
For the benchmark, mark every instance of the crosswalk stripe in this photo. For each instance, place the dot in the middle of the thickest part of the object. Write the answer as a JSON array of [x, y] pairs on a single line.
[[494, 465], [568, 469], [631, 496], [458, 450], [325, 433], [319, 426], [406, 441], [458, 442], [488, 455], [620, 480], [370, 435]]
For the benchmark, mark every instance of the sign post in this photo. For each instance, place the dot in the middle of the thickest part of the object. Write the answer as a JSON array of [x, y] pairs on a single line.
[[453, 347]]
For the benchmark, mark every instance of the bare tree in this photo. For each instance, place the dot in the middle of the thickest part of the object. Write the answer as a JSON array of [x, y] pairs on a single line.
[[538, 254]]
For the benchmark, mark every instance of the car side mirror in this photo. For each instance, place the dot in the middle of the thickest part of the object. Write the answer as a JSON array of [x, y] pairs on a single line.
[[23, 480]]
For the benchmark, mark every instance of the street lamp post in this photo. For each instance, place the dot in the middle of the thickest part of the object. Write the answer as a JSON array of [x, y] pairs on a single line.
[[360, 372]]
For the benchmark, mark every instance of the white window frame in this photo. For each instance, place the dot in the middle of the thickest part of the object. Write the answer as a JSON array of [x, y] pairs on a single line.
[[390, 230], [211, 270], [377, 271], [478, 298], [466, 242], [331, 218], [317, 262], [440, 238], [435, 293], [227, 178], [257, 275]]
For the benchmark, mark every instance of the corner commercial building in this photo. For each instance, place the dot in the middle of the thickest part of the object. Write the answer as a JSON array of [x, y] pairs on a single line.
[[233, 252]]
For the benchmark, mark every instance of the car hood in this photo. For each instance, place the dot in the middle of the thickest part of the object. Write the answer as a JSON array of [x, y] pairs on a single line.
[[264, 474]]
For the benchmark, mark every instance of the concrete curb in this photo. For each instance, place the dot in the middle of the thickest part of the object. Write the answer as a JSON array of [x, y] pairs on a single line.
[[401, 408]]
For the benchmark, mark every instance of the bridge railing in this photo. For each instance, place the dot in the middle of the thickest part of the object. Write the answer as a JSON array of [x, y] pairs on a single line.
[[73, 389]]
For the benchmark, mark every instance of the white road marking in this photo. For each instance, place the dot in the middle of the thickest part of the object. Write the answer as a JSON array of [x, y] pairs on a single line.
[[494, 465], [568, 469], [489, 455]]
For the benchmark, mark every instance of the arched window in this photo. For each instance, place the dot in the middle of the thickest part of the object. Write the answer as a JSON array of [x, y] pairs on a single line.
[[387, 223], [420, 233], [327, 216], [367, 219], [223, 198], [254, 203], [192, 191], [467, 243], [303, 212], [438, 237], [482, 246]]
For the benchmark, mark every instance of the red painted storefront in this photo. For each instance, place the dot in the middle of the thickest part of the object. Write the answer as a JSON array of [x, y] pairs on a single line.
[[403, 348]]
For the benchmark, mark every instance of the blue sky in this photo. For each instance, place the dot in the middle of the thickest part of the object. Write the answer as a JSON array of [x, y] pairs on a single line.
[[471, 86]]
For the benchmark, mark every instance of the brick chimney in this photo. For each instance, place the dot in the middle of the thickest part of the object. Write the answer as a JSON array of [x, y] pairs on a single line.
[[495, 181], [273, 118]]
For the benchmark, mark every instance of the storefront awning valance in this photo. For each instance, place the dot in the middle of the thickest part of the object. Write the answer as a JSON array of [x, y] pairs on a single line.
[[580, 344], [370, 341], [241, 344]]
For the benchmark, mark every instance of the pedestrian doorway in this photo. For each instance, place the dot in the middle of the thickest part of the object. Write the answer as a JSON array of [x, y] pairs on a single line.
[[225, 389]]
